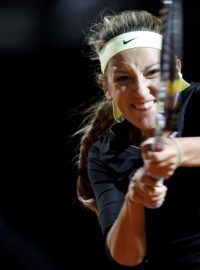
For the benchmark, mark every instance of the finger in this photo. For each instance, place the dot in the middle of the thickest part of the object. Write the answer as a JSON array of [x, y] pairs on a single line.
[[162, 172], [151, 180], [155, 201]]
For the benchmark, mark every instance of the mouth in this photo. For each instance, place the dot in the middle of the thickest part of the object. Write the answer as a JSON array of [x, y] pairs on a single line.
[[143, 107]]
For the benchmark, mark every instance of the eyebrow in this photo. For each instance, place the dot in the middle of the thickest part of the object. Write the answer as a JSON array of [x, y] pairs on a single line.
[[157, 63], [122, 70]]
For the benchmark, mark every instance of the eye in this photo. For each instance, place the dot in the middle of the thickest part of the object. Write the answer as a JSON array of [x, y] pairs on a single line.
[[122, 79], [153, 73]]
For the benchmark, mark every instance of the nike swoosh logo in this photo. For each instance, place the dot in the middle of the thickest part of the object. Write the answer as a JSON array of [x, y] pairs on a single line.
[[127, 41]]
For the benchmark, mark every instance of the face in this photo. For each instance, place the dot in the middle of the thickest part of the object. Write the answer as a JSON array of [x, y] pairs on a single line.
[[132, 81]]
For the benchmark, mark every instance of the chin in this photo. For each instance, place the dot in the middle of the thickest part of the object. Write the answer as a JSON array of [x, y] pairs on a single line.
[[147, 127]]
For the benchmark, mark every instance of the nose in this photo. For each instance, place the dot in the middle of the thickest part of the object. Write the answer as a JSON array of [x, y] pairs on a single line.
[[141, 88]]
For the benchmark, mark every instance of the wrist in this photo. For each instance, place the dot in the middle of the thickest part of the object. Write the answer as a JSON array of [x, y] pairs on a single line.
[[179, 149]]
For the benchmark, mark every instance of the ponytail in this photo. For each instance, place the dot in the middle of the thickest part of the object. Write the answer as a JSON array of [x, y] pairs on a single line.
[[99, 119]]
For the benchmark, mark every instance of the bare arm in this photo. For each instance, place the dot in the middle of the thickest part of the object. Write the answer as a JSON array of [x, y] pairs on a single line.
[[126, 239], [191, 151]]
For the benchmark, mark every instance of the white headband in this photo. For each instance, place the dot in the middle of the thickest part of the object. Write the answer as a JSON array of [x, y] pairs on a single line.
[[126, 41]]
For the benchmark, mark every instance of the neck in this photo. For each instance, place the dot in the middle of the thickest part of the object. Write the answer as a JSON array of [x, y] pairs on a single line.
[[146, 134], [136, 136]]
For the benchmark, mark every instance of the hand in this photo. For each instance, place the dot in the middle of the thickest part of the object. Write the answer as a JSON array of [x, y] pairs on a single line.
[[162, 162], [145, 190]]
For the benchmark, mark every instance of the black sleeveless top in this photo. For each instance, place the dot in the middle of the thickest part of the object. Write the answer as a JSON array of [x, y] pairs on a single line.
[[173, 230]]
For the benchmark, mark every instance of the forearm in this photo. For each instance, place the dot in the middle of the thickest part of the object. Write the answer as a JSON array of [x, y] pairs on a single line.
[[190, 151], [126, 239]]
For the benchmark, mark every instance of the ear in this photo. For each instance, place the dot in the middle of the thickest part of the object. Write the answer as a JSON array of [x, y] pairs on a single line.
[[104, 86], [182, 83], [178, 65]]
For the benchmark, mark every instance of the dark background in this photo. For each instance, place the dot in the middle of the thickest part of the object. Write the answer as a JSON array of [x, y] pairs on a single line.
[[44, 78]]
